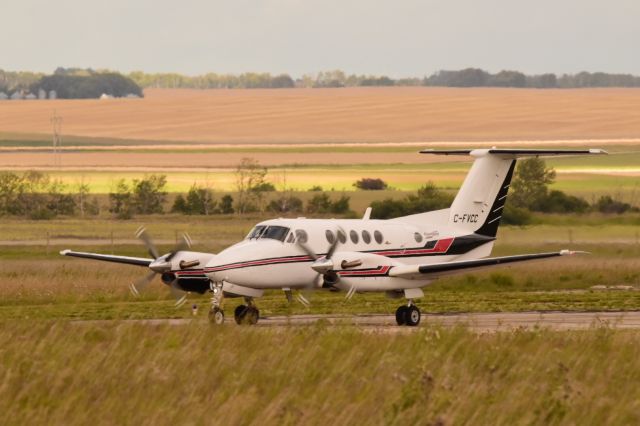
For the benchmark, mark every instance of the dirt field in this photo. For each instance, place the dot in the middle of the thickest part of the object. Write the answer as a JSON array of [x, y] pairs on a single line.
[[339, 115]]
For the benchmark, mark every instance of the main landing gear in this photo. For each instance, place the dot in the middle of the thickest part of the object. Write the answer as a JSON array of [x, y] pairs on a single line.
[[408, 314], [247, 314], [244, 314]]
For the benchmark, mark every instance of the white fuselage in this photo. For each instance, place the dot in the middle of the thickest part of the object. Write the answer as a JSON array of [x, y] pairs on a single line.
[[263, 262]]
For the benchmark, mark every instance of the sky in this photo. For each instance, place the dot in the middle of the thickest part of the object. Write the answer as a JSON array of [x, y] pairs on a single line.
[[399, 38]]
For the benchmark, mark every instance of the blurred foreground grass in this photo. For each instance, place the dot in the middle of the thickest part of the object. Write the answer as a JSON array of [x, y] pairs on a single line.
[[122, 373]]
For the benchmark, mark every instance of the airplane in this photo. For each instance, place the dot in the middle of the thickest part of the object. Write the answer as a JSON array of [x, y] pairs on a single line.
[[397, 256]]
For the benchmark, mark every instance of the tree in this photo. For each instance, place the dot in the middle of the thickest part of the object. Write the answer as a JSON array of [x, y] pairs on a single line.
[[120, 201], [251, 185], [198, 201], [82, 191], [226, 204], [149, 195], [529, 185]]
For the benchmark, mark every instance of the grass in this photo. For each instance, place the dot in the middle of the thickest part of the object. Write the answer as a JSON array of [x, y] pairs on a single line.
[[70, 373]]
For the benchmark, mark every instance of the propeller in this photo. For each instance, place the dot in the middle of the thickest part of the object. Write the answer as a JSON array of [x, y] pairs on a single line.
[[162, 265], [323, 265]]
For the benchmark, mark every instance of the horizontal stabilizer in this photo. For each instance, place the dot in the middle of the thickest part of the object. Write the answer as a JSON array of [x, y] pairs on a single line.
[[514, 152], [138, 261], [447, 268]]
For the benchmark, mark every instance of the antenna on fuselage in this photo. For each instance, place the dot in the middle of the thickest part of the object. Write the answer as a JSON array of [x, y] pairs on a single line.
[[367, 214]]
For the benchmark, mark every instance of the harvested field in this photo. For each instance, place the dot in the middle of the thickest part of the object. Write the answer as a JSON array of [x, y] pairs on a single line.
[[340, 115]]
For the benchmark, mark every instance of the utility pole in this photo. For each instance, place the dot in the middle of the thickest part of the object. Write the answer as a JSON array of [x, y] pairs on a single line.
[[56, 122]]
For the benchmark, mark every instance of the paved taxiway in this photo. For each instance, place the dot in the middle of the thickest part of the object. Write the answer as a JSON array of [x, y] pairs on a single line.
[[480, 322]]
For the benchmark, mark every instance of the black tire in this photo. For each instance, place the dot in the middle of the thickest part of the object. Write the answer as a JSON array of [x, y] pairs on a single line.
[[240, 313], [412, 316], [216, 316], [253, 315], [401, 315]]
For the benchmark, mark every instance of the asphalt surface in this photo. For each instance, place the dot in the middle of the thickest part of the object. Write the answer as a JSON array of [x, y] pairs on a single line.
[[479, 322]]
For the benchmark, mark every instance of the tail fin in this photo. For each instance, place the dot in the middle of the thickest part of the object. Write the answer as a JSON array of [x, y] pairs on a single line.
[[478, 206]]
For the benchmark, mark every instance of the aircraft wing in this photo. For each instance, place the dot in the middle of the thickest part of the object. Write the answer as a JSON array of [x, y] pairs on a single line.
[[138, 261], [435, 270]]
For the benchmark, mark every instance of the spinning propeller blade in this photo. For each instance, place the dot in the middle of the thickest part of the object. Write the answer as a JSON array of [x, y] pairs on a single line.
[[183, 244], [322, 265], [141, 284], [142, 234]]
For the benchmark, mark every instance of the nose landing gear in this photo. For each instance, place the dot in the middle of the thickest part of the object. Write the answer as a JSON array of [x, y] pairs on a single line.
[[216, 314], [408, 314]]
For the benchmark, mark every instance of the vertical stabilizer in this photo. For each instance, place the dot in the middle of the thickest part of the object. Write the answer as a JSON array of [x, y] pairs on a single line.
[[479, 204]]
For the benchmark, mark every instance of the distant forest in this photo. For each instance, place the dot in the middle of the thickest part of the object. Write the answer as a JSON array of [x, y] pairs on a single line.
[[88, 83]]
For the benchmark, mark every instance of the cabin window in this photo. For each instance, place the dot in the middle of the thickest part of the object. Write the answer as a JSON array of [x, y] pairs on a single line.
[[354, 237], [302, 236], [291, 238], [366, 237], [418, 237], [342, 237], [275, 233], [378, 237], [330, 237]]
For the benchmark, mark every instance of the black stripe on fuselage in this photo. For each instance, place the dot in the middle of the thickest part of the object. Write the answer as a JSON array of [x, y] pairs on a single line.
[[460, 245]]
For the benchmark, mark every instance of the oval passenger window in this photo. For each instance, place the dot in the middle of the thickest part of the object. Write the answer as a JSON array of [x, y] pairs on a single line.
[[302, 236], [418, 237], [378, 236], [366, 237], [342, 237], [354, 237], [330, 237]]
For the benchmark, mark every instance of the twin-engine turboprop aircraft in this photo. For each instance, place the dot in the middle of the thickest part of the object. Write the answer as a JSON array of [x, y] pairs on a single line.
[[397, 256]]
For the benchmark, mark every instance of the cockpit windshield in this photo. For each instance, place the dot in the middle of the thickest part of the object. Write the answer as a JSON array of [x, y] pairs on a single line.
[[273, 232]]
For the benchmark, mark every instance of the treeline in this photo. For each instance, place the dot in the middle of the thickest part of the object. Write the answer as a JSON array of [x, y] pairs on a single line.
[[469, 77], [529, 193], [88, 83], [35, 196], [72, 83]]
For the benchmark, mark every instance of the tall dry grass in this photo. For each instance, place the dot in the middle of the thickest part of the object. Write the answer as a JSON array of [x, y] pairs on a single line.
[[118, 373]]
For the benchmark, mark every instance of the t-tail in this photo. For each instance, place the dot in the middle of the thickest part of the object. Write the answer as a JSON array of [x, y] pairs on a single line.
[[479, 204]]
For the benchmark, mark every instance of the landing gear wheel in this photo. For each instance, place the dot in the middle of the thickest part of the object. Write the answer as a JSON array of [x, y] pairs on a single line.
[[401, 315], [248, 315], [240, 313], [253, 315], [216, 316], [412, 316]]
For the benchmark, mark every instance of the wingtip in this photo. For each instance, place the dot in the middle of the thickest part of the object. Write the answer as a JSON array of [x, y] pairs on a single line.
[[65, 252], [572, 252]]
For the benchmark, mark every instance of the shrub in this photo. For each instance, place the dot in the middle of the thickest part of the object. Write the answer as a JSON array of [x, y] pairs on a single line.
[[512, 215], [226, 204], [428, 198], [370, 184], [321, 203], [606, 204], [285, 204], [559, 202]]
